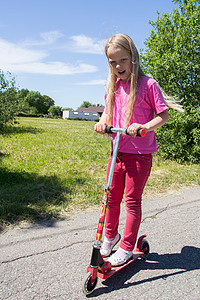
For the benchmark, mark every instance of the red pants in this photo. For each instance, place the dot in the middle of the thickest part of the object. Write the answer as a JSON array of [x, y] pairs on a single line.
[[130, 174]]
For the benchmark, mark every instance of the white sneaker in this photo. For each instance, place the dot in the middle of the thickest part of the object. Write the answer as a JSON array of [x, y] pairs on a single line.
[[120, 257], [108, 245]]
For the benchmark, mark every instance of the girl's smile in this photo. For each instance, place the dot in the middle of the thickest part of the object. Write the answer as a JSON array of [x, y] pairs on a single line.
[[120, 61]]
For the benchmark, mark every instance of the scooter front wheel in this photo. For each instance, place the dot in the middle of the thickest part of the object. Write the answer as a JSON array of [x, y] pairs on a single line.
[[87, 286]]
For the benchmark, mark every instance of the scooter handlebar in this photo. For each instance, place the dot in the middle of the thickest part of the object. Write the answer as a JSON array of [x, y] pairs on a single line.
[[141, 132], [109, 129]]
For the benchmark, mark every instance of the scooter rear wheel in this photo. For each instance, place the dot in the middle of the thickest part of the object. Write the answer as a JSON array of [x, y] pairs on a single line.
[[145, 246], [87, 287]]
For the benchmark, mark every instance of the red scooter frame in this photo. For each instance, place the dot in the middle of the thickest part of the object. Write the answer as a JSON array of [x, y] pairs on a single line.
[[98, 266]]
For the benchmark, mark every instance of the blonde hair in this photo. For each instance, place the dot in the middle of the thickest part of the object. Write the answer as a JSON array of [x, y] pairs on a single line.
[[171, 102], [125, 42]]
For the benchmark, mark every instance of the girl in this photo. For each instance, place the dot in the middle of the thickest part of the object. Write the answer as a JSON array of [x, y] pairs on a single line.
[[133, 101]]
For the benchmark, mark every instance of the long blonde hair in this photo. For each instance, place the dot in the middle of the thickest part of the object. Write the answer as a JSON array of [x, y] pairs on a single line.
[[125, 42]]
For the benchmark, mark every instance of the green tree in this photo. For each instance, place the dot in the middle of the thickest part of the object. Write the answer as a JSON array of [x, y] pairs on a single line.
[[172, 57], [38, 103], [21, 94], [68, 108], [55, 111], [86, 104], [172, 52], [47, 102], [33, 102], [34, 99], [8, 99], [23, 104]]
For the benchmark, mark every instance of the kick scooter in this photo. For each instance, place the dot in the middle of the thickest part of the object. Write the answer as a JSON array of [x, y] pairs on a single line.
[[99, 267]]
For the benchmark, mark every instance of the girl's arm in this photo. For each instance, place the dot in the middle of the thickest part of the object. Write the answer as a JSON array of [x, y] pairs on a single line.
[[155, 123], [158, 121], [100, 127]]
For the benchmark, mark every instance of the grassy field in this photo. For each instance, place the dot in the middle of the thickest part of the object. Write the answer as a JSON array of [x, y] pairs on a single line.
[[49, 167]]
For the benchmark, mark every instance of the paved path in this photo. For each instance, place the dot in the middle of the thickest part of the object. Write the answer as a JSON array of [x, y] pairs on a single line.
[[49, 261]]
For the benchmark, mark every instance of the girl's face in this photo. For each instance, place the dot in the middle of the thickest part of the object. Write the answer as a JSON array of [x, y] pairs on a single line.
[[120, 62]]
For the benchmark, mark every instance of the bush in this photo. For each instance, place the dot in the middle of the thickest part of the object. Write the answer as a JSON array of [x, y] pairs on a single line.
[[179, 138]]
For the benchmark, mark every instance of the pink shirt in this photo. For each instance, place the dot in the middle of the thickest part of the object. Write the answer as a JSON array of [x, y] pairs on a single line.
[[148, 103]]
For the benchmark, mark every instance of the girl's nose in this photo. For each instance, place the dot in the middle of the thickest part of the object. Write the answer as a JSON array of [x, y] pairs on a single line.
[[118, 65]]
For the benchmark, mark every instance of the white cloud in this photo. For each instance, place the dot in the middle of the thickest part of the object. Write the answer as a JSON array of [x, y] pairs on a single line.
[[51, 68], [18, 59], [51, 36], [12, 53], [48, 38], [93, 82], [84, 44]]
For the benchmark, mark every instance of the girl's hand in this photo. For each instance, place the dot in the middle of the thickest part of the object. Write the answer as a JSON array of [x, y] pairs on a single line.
[[100, 128], [133, 128]]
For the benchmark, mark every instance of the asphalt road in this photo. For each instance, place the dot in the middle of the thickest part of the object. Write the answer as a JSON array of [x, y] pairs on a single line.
[[49, 260]]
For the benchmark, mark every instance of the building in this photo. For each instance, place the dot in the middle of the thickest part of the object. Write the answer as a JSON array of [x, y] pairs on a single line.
[[87, 113]]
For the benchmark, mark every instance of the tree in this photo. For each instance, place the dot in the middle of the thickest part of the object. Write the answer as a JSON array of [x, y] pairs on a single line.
[[172, 57], [55, 111], [32, 102], [23, 104], [34, 99], [68, 108], [172, 52], [47, 102], [85, 104], [8, 99]]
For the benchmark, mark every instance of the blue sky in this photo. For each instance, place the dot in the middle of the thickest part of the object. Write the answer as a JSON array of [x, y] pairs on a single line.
[[57, 47]]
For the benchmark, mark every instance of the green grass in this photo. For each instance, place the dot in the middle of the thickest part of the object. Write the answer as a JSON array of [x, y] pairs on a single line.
[[49, 167]]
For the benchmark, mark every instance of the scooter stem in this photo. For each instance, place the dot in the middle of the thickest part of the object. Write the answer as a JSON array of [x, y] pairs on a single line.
[[112, 165]]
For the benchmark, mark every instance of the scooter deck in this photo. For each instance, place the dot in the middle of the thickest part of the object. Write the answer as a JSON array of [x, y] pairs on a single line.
[[136, 255]]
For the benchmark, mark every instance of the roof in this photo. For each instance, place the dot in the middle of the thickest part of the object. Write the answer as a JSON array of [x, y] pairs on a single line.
[[94, 108]]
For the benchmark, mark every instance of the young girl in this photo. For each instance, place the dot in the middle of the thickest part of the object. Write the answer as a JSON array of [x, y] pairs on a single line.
[[133, 101]]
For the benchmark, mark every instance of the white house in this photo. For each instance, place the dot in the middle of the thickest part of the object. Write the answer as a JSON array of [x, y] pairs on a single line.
[[86, 113]]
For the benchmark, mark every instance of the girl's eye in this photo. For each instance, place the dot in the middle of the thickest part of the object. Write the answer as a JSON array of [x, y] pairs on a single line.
[[113, 64]]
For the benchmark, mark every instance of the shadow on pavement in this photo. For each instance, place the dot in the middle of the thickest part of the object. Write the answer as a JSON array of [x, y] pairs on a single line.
[[178, 263]]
